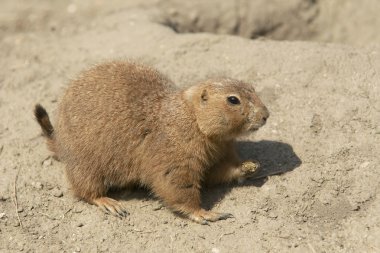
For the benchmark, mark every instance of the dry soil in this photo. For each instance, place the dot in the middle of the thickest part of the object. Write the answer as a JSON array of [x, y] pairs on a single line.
[[316, 65]]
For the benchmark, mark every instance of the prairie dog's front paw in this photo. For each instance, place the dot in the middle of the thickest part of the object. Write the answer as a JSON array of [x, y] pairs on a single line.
[[249, 169]]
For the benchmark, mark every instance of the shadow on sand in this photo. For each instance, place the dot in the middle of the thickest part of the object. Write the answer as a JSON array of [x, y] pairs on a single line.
[[275, 158]]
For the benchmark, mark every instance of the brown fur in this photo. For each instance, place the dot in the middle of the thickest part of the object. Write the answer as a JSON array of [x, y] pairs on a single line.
[[122, 123]]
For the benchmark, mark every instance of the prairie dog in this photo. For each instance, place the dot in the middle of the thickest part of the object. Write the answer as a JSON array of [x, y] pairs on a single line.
[[123, 123]]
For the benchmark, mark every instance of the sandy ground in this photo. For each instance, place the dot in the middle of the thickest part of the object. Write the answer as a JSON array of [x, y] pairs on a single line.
[[323, 134]]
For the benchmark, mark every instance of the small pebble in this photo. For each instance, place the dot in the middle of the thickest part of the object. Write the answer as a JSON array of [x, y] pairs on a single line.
[[49, 187], [158, 207], [355, 207], [37, 185], [77, 210], [57, 193], [47, 162], [20, 247], [3, 215], [215, 250], [3, 198], [272, 215], [364, 165], [80, 225]]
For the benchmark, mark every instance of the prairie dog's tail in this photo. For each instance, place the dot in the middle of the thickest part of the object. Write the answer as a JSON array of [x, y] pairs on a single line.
[[43, 119]]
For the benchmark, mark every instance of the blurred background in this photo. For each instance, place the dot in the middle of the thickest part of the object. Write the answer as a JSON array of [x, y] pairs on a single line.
[[340, 21]]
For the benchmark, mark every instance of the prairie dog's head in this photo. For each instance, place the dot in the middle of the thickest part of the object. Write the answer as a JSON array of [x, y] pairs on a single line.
[[226, 108]]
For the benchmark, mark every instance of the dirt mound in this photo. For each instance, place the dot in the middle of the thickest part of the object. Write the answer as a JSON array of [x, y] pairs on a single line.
[[326, 21], [250, 19]]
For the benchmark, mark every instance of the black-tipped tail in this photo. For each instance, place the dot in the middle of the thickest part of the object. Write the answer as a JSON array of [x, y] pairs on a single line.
[[43, 119]]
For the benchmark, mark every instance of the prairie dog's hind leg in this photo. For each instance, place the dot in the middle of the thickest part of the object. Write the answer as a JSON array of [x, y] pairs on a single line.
[[90, 188]]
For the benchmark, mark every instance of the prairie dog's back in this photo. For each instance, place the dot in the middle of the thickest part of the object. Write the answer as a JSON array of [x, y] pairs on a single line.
[[109, 88], [103, 104]]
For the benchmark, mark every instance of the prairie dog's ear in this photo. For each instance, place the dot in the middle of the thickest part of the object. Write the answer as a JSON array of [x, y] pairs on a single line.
[[193, 94], [204, 95], [189, 93]]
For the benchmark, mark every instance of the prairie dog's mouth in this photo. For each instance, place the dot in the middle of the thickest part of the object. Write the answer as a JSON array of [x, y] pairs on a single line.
[[255, 126]]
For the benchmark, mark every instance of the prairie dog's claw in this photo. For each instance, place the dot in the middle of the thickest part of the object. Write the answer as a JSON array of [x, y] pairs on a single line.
[[112, 206], [203, 216], [224, 216]]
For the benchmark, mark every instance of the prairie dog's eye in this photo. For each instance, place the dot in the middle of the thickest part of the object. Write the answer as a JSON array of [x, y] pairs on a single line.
[[233, 100]]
